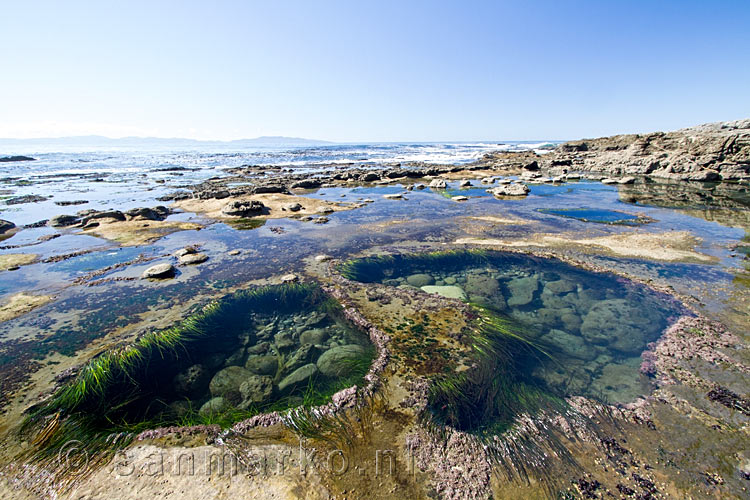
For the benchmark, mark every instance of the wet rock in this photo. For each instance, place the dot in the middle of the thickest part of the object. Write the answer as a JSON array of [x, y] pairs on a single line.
[[464, 183], [63, 221], [460, 198], [522, 290], [192, 382], [243, 208], [315, 336], [394, 196], [570, 344], [256, 389], [321, 220], [156, 213], [289, 278], [420, 279], [6, 226], [307, 184], [510, 190], [488, 180], [292, 207], [234, 252], [159, 271], [262, 365], [447, 291], [193, 258], [298, 376], [438, 184], [104, 214], [66, 203], [336, 362], [185, 251], [9, 159], [322, 258], [227, 380], [29, 198], [214, 406]]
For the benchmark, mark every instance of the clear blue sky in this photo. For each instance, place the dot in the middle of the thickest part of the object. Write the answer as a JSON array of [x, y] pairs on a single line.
[[371, 71]]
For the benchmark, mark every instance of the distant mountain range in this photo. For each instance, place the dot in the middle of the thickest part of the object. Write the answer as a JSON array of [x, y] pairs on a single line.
[[98, 140]]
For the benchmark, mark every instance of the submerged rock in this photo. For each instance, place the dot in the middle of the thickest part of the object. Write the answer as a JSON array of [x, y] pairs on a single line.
[[159, 271], [336, 362], [314, 336], [298, 376], [256, 389], [192, 382], [214, 406], [419, 280], [262, 365], [522, 290], [481, 284], [228, 380], [570, 344], [617, 324], [447, 291]]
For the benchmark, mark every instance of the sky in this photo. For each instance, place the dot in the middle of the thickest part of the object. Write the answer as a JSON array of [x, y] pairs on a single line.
[[369, 71]]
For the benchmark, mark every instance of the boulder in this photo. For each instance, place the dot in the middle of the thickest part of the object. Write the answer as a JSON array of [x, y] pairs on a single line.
[[262, 365], [464, 183], [298, 376], [193, 258], [522, 290], [256, 389], [335, 362], [481, 284], [243, 208], [159, 271], [284, 340], [420, 279], [192, 382], [438, 184], [301, 356], [570, 344], [292, 207], [559, 287], [617, 324], [228, 380], [6, 226], [315, 336], [9, 159], [510, 190], [63, 221]]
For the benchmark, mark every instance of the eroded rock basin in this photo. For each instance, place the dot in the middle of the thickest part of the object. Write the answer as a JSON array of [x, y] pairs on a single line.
[[255, 351], [588, 329]]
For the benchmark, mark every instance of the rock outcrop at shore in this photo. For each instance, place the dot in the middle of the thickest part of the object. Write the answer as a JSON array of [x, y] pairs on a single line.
[[711, 152]]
